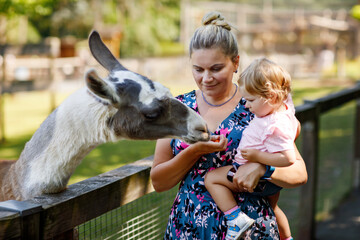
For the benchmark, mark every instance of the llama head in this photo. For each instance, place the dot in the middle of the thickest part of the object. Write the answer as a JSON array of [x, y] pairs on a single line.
[[145, 109]]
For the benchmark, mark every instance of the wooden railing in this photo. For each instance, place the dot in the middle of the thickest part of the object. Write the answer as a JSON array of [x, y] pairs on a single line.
[[309, 115], [56, 215]]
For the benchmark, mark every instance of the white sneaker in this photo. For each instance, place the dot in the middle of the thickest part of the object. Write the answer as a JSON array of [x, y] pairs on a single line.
[[238, 226]]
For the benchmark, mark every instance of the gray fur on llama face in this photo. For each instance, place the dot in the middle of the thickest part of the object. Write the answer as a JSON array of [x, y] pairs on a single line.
[[125, 105]]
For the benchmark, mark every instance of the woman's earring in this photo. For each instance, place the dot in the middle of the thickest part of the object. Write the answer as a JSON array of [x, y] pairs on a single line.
[[236, 71]]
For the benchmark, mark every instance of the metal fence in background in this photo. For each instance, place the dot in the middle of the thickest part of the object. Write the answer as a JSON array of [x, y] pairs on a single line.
[[144, 218]]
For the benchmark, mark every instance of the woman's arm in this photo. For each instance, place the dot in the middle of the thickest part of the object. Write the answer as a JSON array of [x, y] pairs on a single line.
[[249, 174], [292, 176], [168, 170]]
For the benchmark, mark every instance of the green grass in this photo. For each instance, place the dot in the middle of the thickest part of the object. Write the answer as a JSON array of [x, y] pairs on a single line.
[[336, 155], [336, 143], [352, 70], [110, 156]]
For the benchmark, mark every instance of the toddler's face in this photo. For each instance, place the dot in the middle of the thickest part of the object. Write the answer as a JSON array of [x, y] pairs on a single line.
[[258, 105]]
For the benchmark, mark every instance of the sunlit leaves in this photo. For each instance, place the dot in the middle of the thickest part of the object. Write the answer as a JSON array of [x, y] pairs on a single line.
[[355, 12]]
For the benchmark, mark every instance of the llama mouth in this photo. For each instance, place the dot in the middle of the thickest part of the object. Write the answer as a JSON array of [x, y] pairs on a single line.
[[202, 137]]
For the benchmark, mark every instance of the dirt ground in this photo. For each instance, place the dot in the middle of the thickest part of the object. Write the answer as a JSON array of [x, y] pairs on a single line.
[[344, 222]]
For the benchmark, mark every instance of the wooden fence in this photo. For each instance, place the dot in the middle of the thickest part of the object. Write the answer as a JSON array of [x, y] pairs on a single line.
[[55, 216]]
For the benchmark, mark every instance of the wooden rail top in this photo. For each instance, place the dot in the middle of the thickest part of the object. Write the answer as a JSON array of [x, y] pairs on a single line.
[[81, 202], [309, 109]]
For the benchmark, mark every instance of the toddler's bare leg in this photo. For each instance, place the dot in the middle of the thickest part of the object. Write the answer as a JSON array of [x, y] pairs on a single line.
[[282, 221], [220, 188]]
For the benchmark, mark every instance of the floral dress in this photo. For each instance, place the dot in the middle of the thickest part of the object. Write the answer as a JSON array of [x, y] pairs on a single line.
[[194, 214]]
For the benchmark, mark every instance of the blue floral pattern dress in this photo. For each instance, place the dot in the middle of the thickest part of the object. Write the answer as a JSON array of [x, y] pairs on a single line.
[[194, 214]]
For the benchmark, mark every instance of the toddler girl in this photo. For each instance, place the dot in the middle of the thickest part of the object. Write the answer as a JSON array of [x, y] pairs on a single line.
[[269, 139]]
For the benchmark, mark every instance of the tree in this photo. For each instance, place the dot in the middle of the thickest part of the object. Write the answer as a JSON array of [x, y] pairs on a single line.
[[355, 12], [17, 12], [146, 23]]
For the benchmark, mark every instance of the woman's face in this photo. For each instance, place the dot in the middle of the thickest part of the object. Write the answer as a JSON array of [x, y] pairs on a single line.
[[213, 71]]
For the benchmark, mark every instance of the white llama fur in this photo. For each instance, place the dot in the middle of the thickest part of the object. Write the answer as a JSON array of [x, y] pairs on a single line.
[[71, 128]]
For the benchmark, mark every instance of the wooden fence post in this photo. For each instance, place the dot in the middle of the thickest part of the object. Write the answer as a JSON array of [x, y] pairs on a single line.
[[310, 139], [30, 217], [2, 111], [356, 163]]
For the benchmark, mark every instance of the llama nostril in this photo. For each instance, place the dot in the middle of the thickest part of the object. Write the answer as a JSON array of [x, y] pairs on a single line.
[[201, 128], [205, 134]]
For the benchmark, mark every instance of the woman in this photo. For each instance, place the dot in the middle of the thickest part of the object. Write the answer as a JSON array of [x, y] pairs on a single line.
[[194, 215]]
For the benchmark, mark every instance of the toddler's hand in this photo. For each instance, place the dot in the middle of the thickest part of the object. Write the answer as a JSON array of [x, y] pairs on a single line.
[[250, 154]]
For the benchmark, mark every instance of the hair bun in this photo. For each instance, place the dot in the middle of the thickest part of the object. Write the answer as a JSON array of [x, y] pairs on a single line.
[[215, 18]]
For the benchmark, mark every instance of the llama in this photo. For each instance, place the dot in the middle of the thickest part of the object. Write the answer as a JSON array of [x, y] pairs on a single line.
[[125, 105]]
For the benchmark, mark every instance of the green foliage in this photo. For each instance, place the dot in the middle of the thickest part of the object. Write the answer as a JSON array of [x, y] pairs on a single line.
[[147, 23], [27, 7], [144, 23], [355, 12], [73, 17], [352, 70]]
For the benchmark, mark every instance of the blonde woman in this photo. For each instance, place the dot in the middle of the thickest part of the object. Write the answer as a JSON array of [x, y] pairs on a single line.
[[194, 214]]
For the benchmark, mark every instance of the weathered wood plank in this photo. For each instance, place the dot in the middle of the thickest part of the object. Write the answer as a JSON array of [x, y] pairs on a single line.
[[308, 191], [93, 197], [335, 100], [339, 98], [10, 225], [29, 217], [306, 112], [356, 160]]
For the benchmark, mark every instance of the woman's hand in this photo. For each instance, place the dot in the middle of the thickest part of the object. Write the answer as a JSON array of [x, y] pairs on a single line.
[[248, 175], [215, 144]]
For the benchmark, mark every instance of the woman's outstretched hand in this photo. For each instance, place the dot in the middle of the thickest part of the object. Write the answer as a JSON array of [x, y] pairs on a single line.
[[215, 144]]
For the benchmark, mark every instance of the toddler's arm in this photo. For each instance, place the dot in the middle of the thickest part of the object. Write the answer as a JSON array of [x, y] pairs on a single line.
[[278, 159]]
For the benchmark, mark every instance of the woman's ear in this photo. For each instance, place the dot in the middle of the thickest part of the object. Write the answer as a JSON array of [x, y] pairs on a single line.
[[236, 61]]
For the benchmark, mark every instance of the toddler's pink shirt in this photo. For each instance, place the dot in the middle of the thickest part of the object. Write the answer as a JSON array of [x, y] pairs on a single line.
[[273, 133]]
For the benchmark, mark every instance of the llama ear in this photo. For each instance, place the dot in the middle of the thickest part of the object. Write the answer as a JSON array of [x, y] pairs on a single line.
[[98, 86], [102, 54]]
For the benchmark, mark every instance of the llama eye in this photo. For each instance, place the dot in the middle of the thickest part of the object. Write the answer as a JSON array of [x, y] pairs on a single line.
[[151, 115], [153, 111]]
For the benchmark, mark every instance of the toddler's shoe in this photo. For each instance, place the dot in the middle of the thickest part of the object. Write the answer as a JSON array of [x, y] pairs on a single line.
[[238, 226]]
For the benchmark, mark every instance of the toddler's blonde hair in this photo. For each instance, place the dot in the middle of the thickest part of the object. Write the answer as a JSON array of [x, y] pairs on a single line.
[[266, 79]]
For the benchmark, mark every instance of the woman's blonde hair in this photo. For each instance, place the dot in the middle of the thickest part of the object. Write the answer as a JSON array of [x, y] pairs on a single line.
[[266, 79], [215, 32]]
